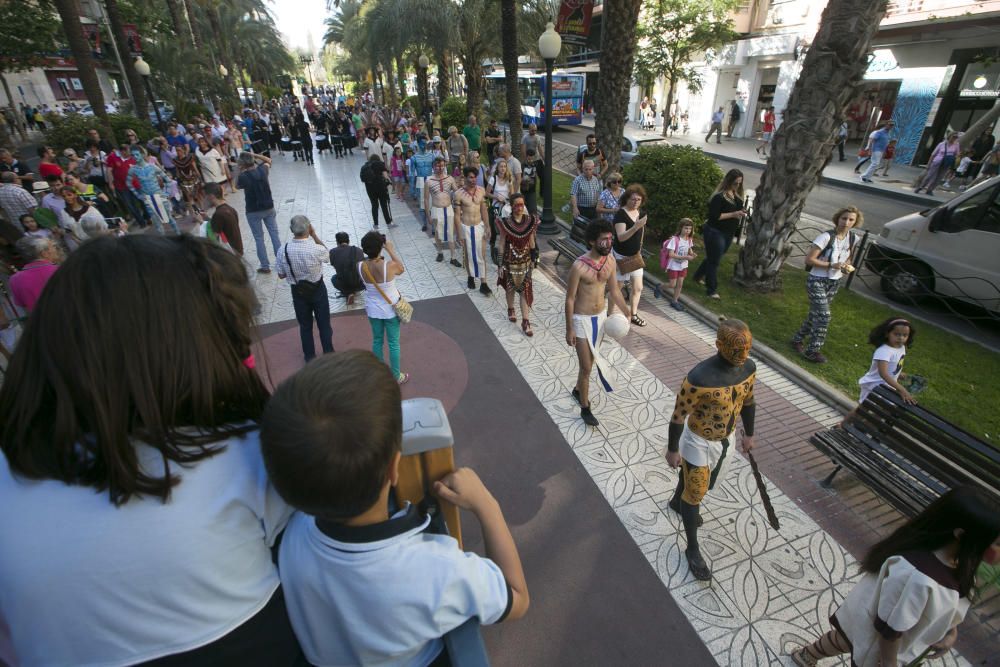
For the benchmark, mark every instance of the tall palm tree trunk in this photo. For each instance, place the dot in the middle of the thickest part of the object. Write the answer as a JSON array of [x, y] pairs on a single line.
[[390, 77], [177, 20], [474, 86], [422, 91], [508, 33], [69, 14], [444, 75], [401, 76], [189, 11], [134, 80], [831, 74], [17, 116], [618, 43], [223, 49]]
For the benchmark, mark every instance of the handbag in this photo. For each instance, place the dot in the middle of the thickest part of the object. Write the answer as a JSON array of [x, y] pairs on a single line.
[[634, 262], [302, 289], [402, 308]]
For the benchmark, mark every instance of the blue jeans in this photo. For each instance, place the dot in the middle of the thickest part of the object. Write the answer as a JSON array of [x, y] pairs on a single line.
[[382, 329], [257, 229], [316, 307], [716, 245]]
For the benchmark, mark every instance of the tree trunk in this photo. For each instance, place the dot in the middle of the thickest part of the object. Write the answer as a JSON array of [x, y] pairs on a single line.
[[222, 49], [134, 80], [188, 10], [69, 14], [422, 92], [176, 12], [831, 74], [18, 117], [474, 83], [390, 77], [977, 128], [444, 76], [669, 103], [618, 41], [508, 33], [401, 77]]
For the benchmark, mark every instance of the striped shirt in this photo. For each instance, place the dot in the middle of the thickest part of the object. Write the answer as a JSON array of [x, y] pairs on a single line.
[[307, 258], [15, 201]]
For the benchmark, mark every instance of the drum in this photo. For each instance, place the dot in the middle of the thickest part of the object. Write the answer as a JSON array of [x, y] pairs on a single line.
[[286, 144], [322, 143]]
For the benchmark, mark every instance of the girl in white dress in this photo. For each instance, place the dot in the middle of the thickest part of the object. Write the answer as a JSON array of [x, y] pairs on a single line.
[[917, 586]]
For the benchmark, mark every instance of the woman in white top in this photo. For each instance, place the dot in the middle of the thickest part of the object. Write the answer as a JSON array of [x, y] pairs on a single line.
[[210, 162], [917, 586], [829, 258], [137, 514], [499, 187], [379, 278]]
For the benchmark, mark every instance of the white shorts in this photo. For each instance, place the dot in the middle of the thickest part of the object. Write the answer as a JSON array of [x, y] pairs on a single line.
[[700, 452], [623, 277], [441, 230], [475, 249], [591, 329], [766, 136]]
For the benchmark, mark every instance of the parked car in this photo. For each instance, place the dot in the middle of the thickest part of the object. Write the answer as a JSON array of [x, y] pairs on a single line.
[[950, 249], [88, 110], [630, 147]]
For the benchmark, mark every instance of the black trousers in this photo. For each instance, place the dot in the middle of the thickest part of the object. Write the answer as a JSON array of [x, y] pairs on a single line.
[[379, 197]]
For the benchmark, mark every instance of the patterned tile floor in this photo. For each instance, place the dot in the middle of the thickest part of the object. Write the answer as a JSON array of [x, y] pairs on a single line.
[[771, 590]]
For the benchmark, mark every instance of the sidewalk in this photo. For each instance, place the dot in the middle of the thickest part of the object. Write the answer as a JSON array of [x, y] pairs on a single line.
[[601, 550], [839, 174]]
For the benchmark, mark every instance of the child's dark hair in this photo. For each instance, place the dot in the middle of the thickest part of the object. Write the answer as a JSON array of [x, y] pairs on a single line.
[[342, 237], [965, 508], [329, 433], [595, 229], [371, 244], [879, 334]]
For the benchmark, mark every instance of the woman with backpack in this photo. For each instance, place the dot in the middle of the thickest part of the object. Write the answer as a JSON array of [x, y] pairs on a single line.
[[829, 258]]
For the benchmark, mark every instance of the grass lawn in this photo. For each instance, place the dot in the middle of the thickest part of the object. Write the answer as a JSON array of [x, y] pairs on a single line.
[[560, 194], [961, 377]]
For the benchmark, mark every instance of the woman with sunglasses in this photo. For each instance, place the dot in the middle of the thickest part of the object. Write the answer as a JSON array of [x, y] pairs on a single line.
[[607, 202]]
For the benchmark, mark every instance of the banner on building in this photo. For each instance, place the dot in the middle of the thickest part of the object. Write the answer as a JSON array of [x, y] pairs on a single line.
[[93, 34], [132, 39], [574, 19]]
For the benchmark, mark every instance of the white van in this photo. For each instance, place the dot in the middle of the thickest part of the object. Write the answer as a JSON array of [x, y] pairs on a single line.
[[952, 249]]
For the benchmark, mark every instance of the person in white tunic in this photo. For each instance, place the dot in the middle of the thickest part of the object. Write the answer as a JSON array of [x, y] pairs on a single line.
[[917, 586]]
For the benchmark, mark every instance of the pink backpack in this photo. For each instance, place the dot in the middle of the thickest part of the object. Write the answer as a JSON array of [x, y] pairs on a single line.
[[665, 251]]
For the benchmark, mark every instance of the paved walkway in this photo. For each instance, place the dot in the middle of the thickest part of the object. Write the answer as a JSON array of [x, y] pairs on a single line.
[[772, 590]]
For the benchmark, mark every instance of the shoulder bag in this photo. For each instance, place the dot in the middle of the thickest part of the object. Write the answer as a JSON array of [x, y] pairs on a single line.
[[402, 308], [301, 288], [634, 262]]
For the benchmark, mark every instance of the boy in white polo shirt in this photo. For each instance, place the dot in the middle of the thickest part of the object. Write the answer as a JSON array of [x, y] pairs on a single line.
[[361, 587]]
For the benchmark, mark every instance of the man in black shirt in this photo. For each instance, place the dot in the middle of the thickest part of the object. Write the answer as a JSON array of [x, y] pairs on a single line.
[[22, 172], [492, 140], [345, 258], [592, 152]]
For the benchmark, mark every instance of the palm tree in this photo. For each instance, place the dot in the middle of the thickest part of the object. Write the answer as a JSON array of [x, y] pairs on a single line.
[[833, 70], [179, 21], [134, 80], [618, 42], [69, 13], [508, 30]]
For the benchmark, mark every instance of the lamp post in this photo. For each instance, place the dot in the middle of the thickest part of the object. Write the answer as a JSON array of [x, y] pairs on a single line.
[[549, 45], [142, 69], [308, 61]]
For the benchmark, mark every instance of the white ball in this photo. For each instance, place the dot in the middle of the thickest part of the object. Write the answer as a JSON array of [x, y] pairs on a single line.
[[617, 326]]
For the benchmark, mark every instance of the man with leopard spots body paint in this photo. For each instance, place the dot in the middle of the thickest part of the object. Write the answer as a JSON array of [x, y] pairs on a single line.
[[701, 430]]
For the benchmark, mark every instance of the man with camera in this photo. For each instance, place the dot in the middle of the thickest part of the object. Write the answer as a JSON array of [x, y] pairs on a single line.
[[301, 261]]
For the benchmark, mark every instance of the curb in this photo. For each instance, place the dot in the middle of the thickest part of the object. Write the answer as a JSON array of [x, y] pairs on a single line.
[[839, 182], [814, 385]]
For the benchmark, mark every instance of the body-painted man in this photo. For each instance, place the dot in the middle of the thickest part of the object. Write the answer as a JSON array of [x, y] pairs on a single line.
[[701, 429]]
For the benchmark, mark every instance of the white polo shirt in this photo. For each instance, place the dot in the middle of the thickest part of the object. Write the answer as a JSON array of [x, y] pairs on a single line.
[[85, 583], [382, 594]]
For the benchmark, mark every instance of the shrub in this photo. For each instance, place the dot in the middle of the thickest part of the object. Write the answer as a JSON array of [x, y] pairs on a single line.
[[679, 180], [70, 131], [453, 113]]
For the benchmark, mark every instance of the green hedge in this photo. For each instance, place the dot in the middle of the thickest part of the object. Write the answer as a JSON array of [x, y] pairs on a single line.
[[679, 181], [453, 113], [70, 131]]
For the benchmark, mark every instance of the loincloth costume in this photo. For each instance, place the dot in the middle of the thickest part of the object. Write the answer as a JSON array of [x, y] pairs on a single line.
[[591, 329], [475, 249]]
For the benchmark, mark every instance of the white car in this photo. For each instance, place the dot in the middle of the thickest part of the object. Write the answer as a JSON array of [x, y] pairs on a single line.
[[630, 147], [88, 110]]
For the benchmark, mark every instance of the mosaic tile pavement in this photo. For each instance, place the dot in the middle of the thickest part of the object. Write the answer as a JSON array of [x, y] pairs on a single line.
[[772, 590]]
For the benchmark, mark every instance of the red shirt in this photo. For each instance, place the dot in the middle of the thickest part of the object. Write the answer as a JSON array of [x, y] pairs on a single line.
[[27, 284], [769, 122], [47, 169], [119, 169]]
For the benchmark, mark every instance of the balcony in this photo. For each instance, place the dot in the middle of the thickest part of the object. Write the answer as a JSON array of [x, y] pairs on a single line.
[[901, 12]]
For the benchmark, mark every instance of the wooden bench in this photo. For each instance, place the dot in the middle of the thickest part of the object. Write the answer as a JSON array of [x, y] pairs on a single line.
[[907, 454], [576, 244]]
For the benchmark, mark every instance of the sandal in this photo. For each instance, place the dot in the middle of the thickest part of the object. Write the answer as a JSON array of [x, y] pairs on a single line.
[[638, 321], [526, 327], [510, 315]]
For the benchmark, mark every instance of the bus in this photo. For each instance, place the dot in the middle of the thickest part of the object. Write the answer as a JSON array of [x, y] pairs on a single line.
[[567, 96]]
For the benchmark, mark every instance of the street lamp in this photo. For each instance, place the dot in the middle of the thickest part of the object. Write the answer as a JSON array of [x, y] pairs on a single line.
[[223, 71], [142, 69], [549, 45], [308, 61]]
